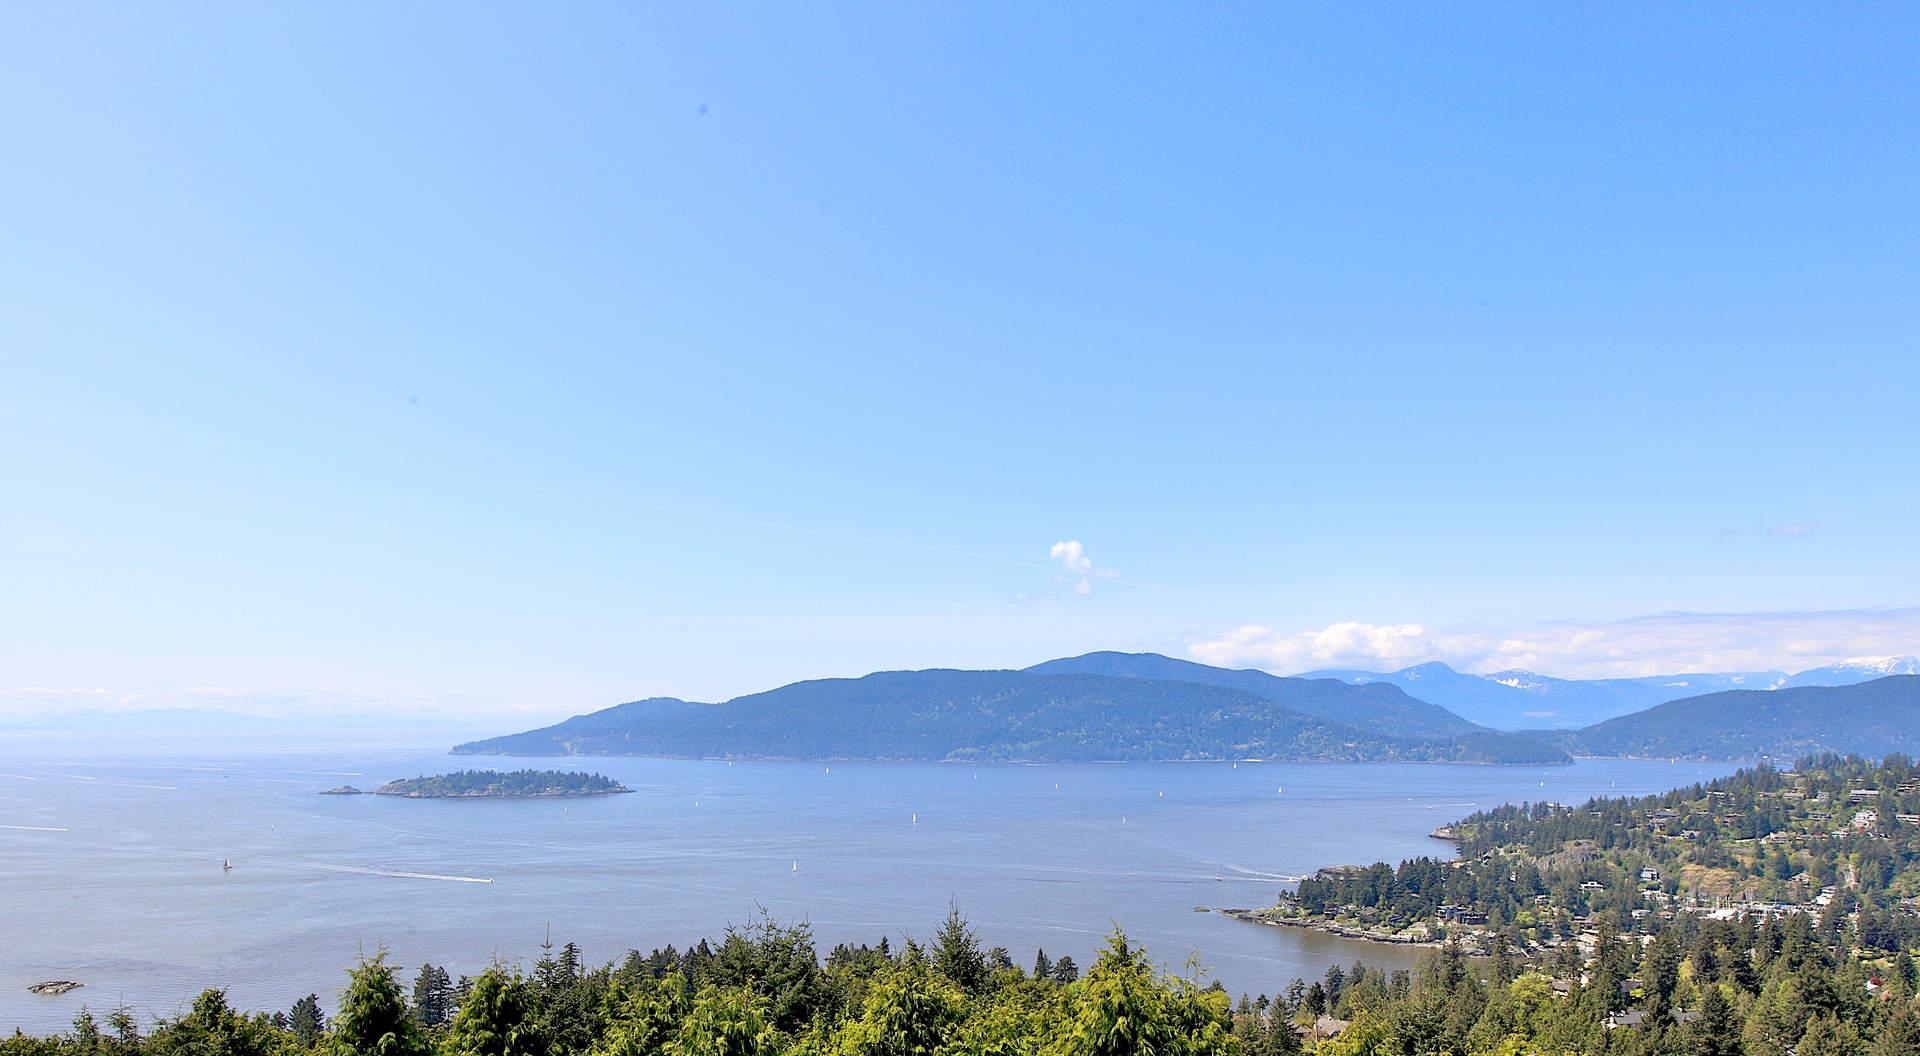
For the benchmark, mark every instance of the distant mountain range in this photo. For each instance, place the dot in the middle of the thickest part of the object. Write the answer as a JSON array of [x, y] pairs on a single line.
[[1143, 706], [1065, 711], [1517, 700], [1867, 718]]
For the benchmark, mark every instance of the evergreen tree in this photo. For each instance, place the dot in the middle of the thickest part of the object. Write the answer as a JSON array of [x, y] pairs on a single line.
[[909, 1012], [1717, 1031], [1900, 1034], [305, 1021], [374, 1019], [1827, 1036], [432, 996], [1042, 968], [1122, 1009], [956, 952], [86, 1031], [498, 1019], [125, 1031], [1065, 971], [726, 1023], [211, 1026], [1315, 1000]]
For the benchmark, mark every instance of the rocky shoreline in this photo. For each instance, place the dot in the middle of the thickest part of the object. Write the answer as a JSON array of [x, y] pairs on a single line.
[[1272, 919]]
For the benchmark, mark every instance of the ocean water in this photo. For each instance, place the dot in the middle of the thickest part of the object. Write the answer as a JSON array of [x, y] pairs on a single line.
[[111, 861]]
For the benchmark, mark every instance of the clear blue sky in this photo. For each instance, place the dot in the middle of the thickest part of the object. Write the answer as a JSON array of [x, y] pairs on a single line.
[[547, 356]]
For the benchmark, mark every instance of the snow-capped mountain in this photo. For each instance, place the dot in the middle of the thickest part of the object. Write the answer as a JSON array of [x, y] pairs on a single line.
[[1849, 672], [1516, 699]]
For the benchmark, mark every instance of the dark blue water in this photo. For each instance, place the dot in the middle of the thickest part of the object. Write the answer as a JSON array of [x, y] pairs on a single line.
[[110, 863]]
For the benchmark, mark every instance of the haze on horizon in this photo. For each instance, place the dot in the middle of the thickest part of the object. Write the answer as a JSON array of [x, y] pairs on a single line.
[[446, 361]]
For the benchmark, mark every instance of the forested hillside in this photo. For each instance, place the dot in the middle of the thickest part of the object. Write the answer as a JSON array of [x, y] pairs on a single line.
[[1379, 707], [1836, 837], [1015, 715], [1870, 718]]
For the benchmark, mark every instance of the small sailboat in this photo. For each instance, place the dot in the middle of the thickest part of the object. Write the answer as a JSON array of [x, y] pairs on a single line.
[[226, 866], [916, 817], [796, 865]]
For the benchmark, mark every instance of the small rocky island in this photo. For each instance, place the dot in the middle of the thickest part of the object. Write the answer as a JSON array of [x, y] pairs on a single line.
[[54, 988], [493, 784]]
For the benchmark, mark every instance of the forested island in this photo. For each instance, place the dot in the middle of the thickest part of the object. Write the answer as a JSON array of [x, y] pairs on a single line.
[[494, 784], [1058, 712]]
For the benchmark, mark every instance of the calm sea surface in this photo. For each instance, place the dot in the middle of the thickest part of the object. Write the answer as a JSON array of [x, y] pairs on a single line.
[[110, 862]]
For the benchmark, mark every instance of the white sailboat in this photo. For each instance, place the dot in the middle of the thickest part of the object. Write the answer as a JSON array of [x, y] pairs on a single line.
[[226, 866]]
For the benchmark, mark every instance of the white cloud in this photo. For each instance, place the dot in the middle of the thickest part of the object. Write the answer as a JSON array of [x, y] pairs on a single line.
[[1080, 571], [1667, 643], [1072, 555], [1798, 528]]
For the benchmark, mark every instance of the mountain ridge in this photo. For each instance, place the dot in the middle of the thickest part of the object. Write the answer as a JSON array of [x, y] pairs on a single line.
[[1871, 719], [1518, 699], [946, 714]]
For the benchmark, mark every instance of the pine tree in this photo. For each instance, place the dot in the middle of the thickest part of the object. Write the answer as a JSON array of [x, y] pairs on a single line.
[[1042, 968], [1065, 971]]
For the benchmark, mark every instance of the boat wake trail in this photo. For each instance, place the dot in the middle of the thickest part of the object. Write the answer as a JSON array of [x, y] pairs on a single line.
[[399, 873], [33, 828]]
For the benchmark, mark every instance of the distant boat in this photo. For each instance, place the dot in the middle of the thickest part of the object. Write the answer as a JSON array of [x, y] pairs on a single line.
[[226, 866], [796, 865], [916, 817]]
